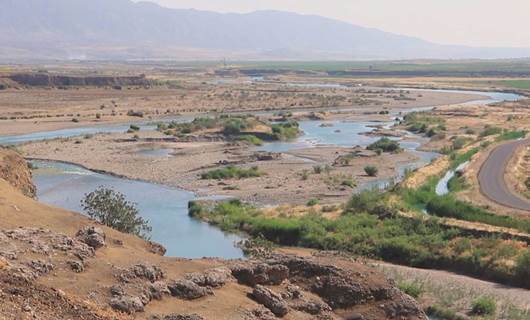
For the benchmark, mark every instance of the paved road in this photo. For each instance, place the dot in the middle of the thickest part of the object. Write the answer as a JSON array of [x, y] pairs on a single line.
[[491, 177]]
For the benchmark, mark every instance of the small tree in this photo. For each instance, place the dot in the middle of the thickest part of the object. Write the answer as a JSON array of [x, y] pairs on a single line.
[[112, 209], [371, 171]]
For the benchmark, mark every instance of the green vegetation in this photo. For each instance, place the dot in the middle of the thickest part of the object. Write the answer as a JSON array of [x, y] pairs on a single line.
[[110, 208], [489, 131], [370, 227], [484, 307], [285, 130], [371, 171], [252, 139], [442, 313], [385, 145], [459, 158], [456, 184], [423, 122], [516, 84], [231, 172], [312, 202], [134, 127], [413, 289], [511, 135]]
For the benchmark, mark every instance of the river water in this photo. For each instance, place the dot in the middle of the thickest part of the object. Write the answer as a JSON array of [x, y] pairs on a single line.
[[64, 185]]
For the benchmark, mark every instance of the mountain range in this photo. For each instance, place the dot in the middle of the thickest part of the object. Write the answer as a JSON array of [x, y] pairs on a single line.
[[122, 29]]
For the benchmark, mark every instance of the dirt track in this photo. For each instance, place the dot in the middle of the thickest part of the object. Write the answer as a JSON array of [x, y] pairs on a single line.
[[491, 177]]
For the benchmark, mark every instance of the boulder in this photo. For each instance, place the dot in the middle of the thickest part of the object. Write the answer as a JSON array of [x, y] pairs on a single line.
[[214, 278], [158, 289], [92, 236], [271, 300], [186, 289], [127, 304]]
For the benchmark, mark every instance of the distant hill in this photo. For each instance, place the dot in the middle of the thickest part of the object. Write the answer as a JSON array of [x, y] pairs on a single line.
[[118, 29]]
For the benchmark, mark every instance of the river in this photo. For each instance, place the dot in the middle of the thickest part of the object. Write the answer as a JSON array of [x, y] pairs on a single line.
[[64, 185]]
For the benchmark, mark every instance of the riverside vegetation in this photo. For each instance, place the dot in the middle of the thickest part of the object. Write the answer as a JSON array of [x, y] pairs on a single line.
[[371, 225]]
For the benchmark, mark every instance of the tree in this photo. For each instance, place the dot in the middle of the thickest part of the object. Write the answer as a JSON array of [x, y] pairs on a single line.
[[112, 209]]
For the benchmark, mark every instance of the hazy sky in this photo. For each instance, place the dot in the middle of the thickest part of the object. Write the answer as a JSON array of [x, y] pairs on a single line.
[[467, 22]]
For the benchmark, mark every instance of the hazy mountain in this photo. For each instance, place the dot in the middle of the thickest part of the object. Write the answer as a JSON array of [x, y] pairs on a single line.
[[123, 29]]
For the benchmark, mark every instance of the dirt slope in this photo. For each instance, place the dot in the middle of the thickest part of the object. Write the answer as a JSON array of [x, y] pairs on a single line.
[[96, 272]]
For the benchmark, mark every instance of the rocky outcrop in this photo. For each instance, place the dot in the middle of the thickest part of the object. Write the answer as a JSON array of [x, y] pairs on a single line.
[[51, 80], [336, 289], [273, 301], [15, 170]]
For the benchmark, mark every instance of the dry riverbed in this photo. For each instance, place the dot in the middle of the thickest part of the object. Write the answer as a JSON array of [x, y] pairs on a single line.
[[287, 178]]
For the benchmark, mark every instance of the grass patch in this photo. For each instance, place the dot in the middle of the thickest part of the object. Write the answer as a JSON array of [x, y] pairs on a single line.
[[511, 135], [443, 313], [231, 172], [484, 307], [413, 289]]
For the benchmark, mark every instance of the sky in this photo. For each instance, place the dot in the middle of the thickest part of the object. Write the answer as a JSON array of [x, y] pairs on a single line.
[[462, 22]]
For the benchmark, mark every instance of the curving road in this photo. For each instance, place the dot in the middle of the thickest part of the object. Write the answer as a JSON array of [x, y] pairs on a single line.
[[491, 177]]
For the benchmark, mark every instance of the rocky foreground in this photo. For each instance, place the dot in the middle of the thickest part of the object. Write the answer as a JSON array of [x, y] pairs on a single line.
[[56, 264]]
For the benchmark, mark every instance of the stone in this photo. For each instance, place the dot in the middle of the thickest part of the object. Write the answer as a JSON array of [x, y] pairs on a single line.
[[127, 304], [214, 278], [271, 300], [265, 274], [92, 236], [186, 289], [76, 266], [158, 289]]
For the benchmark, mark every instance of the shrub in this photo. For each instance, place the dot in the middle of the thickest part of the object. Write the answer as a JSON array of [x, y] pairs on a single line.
[[489, 131], [132, 113], [98, 115], [312, 202], [75, 120], [386, 145], [134, 127], [440, 312], [286, 130], [231, 172], [413, 289], [110, 208], [484, 306], [459, 143], [252, 139], [371, 171], [522, 268]]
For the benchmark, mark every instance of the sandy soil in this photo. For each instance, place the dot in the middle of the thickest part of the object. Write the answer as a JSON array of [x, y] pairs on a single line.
[[518, 171]]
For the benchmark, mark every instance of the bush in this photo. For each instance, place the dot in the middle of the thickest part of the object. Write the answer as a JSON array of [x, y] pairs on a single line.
[[110, 208], [134, 127], [132, 113], [312, 202], [386, 145], [413, 289], [231, 172], [252, 139], [440, 312], [371, 171], [522, 269], [285, 131], [484, 306], [489, 131]]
